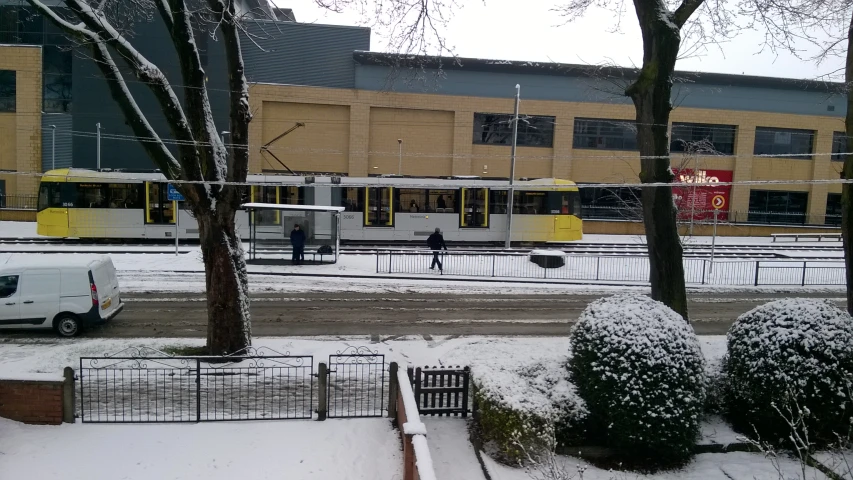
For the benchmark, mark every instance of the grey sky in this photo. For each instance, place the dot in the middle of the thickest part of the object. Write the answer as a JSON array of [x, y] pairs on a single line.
[[484, 31]]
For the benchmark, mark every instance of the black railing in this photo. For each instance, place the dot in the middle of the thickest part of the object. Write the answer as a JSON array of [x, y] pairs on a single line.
[[19, 202], [357, 384], [146, 386], [630, 269]]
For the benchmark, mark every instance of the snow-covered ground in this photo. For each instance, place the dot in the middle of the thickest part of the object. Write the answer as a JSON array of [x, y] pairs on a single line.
[[25, 356], [366, 449], [300, 449], [182, 273]]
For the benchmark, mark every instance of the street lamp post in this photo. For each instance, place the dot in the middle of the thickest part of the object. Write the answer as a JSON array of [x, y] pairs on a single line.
[[53, 147], [400, 161], [98, 157], [510, 194]]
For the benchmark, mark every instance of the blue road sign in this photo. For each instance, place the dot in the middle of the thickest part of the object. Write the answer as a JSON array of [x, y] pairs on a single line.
[[172, 194]]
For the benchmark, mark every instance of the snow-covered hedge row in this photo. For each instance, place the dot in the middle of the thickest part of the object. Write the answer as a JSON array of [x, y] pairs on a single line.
[[638, 366], [786, 357], [522, 409]]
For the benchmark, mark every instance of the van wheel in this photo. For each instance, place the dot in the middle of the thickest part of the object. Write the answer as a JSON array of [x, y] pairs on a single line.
[[67, 325]]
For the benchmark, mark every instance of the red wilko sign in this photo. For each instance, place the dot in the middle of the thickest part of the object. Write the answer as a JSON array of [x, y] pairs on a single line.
[[702, 200]]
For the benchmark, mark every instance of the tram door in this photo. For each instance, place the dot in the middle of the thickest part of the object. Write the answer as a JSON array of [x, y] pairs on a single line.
[[378, 206], [158, 210], [475, 207]]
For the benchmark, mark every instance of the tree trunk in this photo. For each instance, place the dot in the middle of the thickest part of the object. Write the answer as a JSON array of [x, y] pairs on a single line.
[[847, 173], [228, 321], [651, 94]]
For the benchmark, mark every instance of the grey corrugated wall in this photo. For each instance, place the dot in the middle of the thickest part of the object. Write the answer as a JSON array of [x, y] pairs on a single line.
[[64, 141], [578, 89], [303, 54]]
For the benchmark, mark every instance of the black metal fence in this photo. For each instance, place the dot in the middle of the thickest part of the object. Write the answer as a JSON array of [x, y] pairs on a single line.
[[148, 386], [441, 391], [357, 383], [19, 202], [145, 386], [612, 269], [755, 217]]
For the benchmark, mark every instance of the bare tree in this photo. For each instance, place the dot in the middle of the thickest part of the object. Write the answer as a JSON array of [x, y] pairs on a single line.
[[209, 171], [818, 31], [665, 28]]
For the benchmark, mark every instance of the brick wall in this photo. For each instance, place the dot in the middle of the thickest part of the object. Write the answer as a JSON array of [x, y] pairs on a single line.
[[32, 401]]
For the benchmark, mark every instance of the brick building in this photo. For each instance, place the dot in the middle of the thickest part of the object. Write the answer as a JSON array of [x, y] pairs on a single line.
[[367, 113]]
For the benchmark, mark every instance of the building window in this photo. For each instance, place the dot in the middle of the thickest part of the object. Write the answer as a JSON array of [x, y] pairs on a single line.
[[833, 209], [57, 79], [839, 146], [496, 129], [703, 138], [605, 134], [618, 203], [2, 193], [784, 142], [8, 90], [767, 206]]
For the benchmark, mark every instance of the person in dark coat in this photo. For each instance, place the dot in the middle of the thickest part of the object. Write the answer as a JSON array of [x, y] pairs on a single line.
[[297, 241], [436, 243]]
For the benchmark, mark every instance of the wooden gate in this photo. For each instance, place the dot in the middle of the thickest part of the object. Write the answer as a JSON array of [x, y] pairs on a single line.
[[441, 391]]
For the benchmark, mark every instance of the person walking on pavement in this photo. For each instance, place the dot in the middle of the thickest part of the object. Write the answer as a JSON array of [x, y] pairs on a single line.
[[436, 243], [297, 241]]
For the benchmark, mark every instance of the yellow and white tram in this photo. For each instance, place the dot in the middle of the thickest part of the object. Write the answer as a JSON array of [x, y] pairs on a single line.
[[76, 203]]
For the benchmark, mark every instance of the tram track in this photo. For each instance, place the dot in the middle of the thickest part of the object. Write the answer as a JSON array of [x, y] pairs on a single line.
[[142, 246]]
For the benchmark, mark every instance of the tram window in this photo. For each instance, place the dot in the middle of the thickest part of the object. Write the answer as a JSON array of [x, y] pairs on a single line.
[[159, 209], [497, 201], [442, 201], [475, 209], [412, 200], [292, 195], [351, 199], [91, 195], [530, 203], [56, 195], [124, 195], [379, 207], [564, 203]]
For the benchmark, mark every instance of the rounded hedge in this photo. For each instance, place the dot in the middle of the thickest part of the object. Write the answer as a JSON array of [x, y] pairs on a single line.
[[638, 366], [790, 359], [523, 409]]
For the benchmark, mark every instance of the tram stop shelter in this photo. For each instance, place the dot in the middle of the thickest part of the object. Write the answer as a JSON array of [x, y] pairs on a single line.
[[270, 225]]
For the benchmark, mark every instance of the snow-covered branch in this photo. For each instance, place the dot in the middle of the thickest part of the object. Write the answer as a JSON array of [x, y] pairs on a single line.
[[118, 86]]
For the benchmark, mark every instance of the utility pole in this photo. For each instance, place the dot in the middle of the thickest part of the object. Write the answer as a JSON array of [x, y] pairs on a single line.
[[98, 166], [53, 147], [400, 162], [510, 193]]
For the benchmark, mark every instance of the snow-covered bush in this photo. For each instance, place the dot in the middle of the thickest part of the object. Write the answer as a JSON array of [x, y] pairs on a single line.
[[638, 366], [787, 356], [521, 410]]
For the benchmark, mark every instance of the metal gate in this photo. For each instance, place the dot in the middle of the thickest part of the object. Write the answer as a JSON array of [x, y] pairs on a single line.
[[441, 391], [149, 386], [356, 386]]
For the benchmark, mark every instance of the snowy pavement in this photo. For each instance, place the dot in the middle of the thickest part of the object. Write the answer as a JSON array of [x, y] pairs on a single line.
[[357, 449]]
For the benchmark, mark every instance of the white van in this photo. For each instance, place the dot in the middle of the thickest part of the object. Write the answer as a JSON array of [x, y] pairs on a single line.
[[67, 294]]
